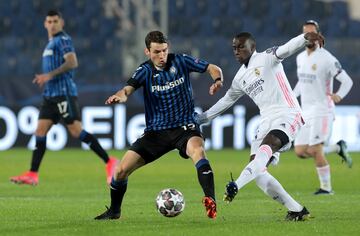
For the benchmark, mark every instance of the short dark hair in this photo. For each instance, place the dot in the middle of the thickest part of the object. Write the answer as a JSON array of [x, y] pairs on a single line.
[[54, 13], [246, 35], [155, 37], [314, 23]]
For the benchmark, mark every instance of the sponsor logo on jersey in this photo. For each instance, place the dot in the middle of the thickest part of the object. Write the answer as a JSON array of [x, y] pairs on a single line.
[[255, 88], [306, 78], [48, 52], [168, 85]]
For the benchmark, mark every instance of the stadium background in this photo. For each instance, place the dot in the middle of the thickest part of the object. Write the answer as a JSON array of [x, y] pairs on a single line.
[[109, 41]]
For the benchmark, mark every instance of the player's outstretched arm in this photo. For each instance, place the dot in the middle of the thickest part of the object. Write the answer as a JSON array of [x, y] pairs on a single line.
[[297, 43], [217, 75], [231, 96], [120, 96]]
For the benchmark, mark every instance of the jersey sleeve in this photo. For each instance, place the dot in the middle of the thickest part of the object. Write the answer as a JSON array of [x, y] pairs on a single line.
[[231, 96], [334, 67], [138, 77], [195, 64], [337, 72], [292, 46], [65, 45]]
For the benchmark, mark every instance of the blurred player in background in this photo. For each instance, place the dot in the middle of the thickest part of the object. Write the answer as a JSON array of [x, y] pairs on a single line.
[[263, 79], [316, 70], [59, 99], [169, 114]]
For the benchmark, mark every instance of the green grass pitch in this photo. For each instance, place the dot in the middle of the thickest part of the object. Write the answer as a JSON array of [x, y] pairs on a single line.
[[73, 190]]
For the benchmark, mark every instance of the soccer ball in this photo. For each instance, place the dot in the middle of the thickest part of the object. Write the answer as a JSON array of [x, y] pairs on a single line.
[[170, 202]]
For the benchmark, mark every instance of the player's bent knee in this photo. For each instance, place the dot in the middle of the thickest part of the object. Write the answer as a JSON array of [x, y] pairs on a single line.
[[121, 172], [197, 152], [300, 154]]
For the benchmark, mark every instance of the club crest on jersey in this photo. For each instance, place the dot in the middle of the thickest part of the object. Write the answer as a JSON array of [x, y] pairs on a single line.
[[172, 70], [257, 72], [313, 67]]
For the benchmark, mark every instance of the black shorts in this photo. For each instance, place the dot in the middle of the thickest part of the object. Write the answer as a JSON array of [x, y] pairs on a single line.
[[62, 107], [153, 144]]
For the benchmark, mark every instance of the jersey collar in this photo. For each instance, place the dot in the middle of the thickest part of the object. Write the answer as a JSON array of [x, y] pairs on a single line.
[[246, 63], [170, 58]]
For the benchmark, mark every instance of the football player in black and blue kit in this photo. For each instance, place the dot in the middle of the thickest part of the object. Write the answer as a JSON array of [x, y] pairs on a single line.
[[169, 114], [59, 99]]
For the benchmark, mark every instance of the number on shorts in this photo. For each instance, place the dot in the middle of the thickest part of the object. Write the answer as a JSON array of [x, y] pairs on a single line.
[[63, 107]]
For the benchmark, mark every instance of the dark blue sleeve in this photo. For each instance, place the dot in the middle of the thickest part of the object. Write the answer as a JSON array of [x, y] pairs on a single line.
[[65, 45], [138, 78], [195, 64]]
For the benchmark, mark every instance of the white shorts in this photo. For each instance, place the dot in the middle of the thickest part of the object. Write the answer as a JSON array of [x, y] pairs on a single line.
[[316, 130], [290, 124]]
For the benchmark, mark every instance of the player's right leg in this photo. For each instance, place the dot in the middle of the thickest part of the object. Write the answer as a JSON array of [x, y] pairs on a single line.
[[146, 149], [341, 149], [194, 144], [31, 177], [76, 130], [130, 162], [275, 190], [322, 168]]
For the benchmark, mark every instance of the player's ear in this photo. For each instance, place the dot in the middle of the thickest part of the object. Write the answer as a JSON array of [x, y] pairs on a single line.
[[147, 52]]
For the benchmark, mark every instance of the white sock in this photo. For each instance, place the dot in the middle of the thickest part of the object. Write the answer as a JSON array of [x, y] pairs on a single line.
[[255, 167], [331, 149], [324, 177], [267, 183]]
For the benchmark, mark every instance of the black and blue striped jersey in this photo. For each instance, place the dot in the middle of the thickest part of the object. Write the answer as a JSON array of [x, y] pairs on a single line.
[[168, 95], [52, 58]]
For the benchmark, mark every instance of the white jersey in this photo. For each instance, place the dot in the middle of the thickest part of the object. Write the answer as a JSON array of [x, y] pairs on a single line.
[[316, 72], [265, 82]]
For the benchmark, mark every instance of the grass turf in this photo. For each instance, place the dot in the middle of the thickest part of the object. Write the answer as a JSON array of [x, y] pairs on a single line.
[[73, 190]]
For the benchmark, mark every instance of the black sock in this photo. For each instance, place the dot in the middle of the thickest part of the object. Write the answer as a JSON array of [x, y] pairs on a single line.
[[38, 153], [117, 192], [206, 177], [94, 145]]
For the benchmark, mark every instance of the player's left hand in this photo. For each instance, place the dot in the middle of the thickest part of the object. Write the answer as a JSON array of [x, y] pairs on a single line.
[[215, 87], [336, 98], [313, 37], [41, 79]]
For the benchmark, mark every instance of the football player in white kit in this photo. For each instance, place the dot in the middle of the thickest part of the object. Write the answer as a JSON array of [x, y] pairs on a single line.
[[316, 70], [262, 78]]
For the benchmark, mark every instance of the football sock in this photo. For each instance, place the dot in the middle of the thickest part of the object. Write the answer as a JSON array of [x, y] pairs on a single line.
[[206, 177], [324, 177], [38, 153], [332, 148], [94, 145], [255, 167], [266, 182], [117, 192]]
